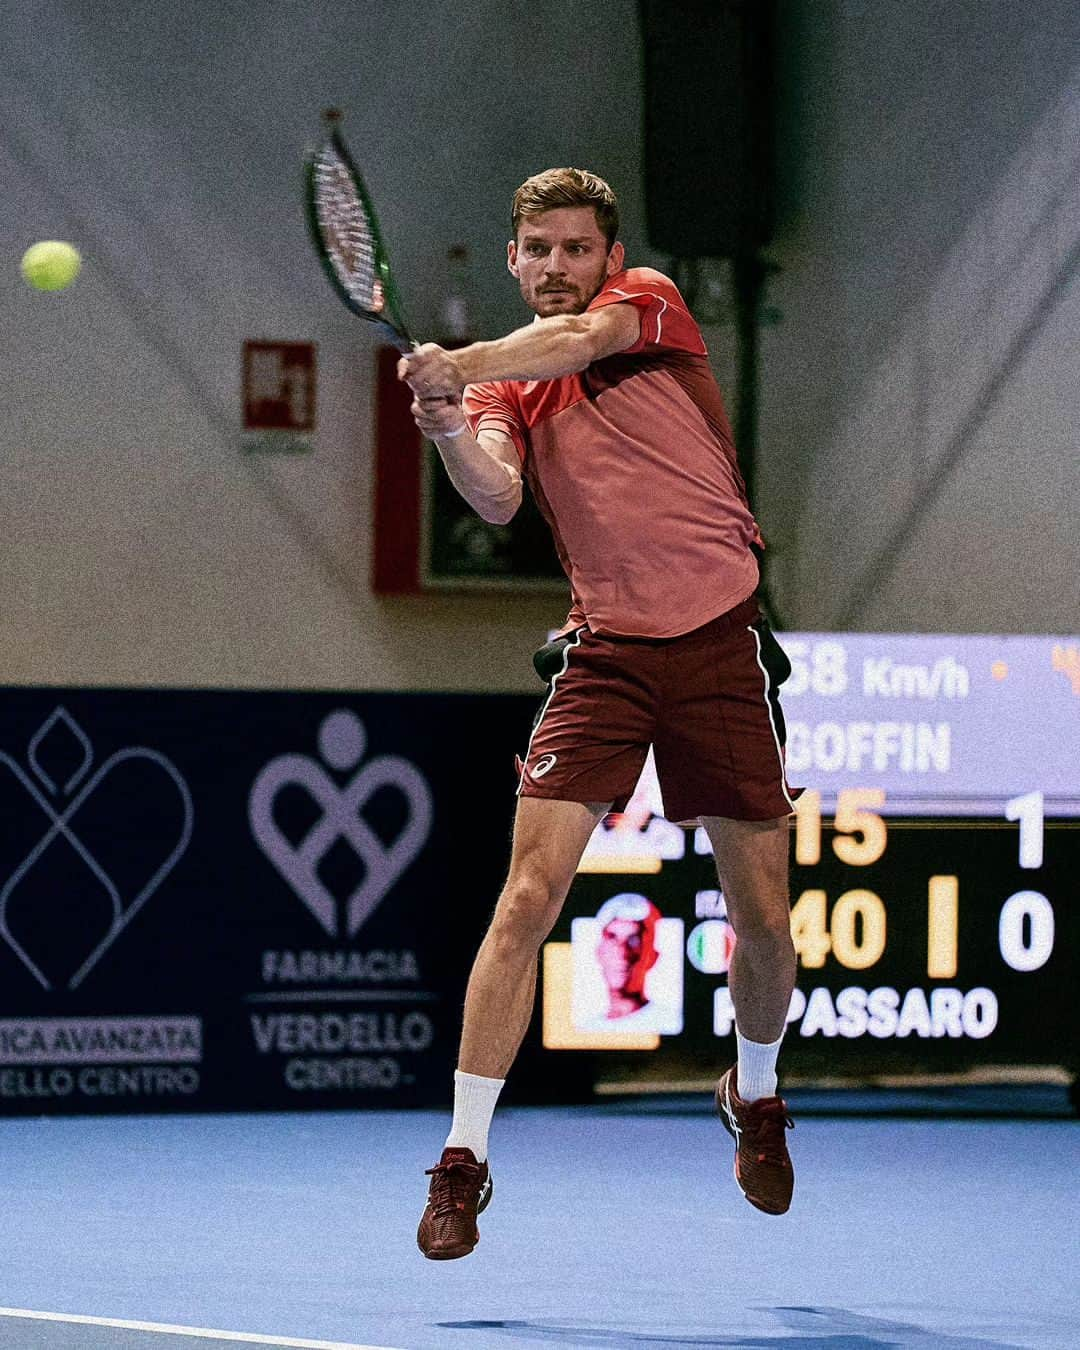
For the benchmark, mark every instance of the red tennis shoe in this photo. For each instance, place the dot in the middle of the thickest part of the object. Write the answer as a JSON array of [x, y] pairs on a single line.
[[460, 1190], [762, 1166]]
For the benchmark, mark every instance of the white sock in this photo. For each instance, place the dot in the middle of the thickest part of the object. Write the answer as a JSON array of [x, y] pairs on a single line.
[[757, 1067], [474, 1105]]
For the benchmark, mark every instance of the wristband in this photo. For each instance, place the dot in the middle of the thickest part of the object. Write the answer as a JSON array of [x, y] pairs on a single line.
[[453, 435]]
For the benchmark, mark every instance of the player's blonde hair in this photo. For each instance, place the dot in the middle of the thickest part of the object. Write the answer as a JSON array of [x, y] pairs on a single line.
[[567, 187]]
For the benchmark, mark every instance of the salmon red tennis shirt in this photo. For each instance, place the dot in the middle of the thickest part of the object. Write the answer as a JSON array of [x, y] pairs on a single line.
[[632, 464]]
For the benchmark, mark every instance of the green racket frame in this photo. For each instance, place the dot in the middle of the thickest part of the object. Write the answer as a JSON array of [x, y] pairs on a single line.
[[389, 318]]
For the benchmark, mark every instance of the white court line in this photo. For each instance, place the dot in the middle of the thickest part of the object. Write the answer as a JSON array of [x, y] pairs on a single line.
[[165, 1330]]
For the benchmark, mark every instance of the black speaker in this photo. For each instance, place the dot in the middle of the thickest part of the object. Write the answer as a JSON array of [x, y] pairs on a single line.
[[708, 125]]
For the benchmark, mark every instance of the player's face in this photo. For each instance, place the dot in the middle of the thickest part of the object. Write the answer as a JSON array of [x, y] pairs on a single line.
[[561, 259], [619, 950]]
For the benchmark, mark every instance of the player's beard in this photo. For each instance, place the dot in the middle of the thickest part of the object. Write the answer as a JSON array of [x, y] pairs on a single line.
[[572, 297]]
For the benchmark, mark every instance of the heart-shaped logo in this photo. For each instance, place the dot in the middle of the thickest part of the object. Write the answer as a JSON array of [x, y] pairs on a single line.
[[342, 741], [85, 863]]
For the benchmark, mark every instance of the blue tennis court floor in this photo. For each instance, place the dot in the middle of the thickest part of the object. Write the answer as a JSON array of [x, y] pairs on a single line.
[[611, 1226]]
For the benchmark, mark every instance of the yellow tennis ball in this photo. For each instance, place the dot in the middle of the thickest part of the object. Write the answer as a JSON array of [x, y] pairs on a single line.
[[51, 265]]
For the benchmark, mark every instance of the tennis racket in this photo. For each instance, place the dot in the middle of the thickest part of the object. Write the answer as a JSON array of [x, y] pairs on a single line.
[[345, 232]]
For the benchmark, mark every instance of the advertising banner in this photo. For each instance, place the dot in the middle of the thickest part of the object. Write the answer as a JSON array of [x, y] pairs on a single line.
[[214, 901]]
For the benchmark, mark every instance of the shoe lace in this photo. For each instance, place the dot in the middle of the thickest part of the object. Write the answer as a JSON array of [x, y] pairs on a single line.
[[450, 1186], [766, 1122]]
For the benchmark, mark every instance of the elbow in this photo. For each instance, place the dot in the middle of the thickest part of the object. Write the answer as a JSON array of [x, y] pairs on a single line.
[[502, 512], [501, 515]]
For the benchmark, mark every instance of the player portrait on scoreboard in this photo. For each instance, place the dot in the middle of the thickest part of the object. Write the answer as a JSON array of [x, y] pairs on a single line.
[[627, 969]]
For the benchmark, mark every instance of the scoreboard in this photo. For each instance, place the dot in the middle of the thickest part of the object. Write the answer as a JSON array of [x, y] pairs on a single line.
[[934, 892]]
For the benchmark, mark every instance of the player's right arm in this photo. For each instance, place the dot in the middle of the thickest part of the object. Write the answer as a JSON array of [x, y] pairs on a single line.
[[485, 468]]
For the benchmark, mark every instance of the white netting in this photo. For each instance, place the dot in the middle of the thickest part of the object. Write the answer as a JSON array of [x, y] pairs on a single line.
[[346, 231]]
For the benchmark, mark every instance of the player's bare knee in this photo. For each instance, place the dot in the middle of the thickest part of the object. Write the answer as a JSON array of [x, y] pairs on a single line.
[[526, 912], [766, 926]]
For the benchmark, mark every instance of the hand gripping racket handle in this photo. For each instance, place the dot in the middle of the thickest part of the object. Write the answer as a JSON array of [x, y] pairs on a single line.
[[411, 345]]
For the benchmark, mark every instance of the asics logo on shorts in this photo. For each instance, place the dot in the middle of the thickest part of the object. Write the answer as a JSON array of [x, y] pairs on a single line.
[[543, 765]]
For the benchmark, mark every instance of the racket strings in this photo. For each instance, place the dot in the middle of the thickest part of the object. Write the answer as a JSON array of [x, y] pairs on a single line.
[[347, 233]]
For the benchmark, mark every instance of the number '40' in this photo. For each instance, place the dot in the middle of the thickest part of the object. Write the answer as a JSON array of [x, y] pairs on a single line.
[[854, 932]]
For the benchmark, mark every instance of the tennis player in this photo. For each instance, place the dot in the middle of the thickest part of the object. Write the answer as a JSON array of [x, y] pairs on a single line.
[[607, 406]]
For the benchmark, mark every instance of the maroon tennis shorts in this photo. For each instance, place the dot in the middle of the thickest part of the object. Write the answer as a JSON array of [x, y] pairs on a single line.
[[706, 701]]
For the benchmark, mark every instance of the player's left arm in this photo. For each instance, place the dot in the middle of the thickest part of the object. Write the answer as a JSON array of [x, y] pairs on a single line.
[[545, 350]]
